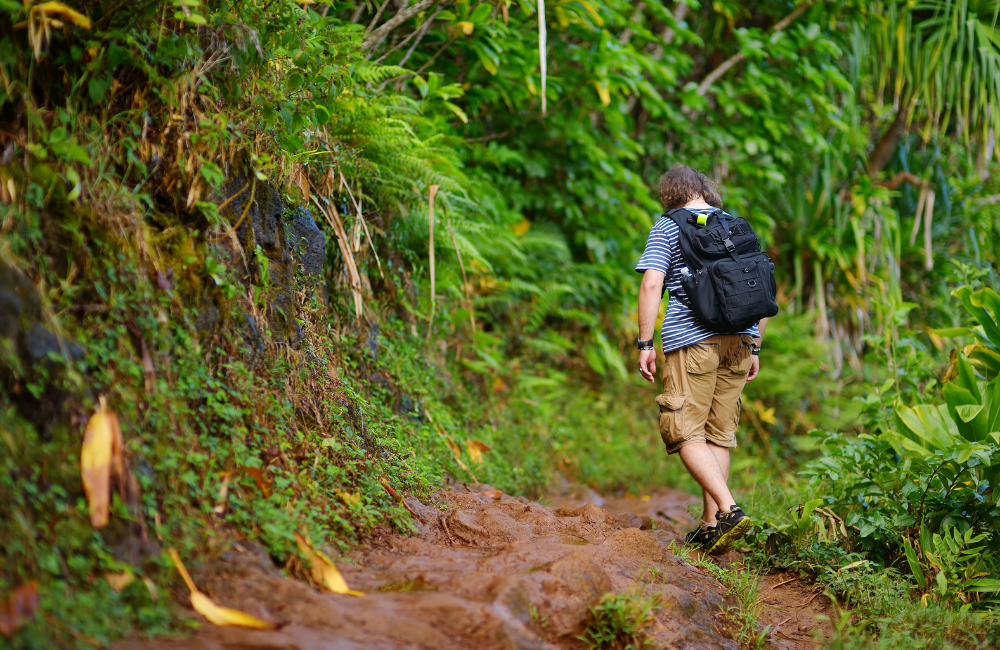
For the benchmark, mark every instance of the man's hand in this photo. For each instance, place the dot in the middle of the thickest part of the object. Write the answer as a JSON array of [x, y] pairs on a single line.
[[754, 367], [647, 364], [649, 305]]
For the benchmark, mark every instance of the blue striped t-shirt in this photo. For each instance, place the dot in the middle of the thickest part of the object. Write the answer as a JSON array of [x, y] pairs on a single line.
[[663, 253]]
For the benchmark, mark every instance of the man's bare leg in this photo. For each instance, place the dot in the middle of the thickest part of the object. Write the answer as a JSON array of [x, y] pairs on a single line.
[[722, 456], [709, 465]]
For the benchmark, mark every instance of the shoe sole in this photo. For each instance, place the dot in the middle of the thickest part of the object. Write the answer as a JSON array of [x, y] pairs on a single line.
[[726, 542]]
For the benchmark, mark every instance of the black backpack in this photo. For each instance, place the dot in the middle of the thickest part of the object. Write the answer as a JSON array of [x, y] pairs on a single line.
[[730, 280]]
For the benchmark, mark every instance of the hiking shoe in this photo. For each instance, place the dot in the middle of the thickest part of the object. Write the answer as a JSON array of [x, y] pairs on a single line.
[[701, 537], [732, 526]]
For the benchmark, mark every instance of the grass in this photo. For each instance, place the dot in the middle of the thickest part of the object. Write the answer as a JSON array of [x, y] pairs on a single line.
[[620, 621], [914, 627], [743, 583], [878, 606]]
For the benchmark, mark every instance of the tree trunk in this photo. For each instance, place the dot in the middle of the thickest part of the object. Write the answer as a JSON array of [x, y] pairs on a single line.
[[886, 146]]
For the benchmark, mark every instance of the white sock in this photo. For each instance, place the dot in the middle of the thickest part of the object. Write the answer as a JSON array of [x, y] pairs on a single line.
[[707, 524]]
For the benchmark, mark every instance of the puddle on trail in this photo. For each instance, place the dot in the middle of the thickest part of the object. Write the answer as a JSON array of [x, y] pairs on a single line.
[[486, 572]]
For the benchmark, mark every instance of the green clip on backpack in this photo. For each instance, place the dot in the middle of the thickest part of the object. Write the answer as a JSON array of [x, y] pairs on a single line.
[[729, 280]]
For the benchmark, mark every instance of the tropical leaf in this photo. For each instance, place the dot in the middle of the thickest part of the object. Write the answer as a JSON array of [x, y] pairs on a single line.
[[323, 570], [209, 609], [930, 427]]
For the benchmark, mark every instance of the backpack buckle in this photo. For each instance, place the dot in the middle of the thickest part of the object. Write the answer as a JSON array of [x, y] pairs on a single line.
[[730, 246]]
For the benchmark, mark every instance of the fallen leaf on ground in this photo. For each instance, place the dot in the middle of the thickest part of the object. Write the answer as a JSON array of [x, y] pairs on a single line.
[[100, 457], [258, 477], [220, 506], [151, 588], [59, 8], [350, 499], [119, 581], [323, 570], [18, 609], [216, 613], [493, 494], [476, 450]]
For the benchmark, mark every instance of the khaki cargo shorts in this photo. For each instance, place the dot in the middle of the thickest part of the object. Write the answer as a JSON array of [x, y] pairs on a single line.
[[702, 384]]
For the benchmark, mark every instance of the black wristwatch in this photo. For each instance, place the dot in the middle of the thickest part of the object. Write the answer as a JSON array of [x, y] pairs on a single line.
[[644, 345], [755, 349]]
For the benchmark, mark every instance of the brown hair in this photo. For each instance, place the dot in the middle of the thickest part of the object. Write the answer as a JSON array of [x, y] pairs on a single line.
[[682, 184]]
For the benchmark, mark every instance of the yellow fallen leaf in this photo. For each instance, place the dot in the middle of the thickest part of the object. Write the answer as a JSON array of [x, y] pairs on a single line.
[[225, 615], [119, 581], [350, 499], [59, 8], [467, 27], [220, 506], [323, 570], [100, 456], [216, 613], [476, 450], [151, 588]]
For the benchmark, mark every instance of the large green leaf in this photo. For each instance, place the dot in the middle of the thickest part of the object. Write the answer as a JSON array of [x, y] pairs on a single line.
[[989, 324], [902, 444], [967, 412], [986, 361], [988, 299], [967, 378], [929, 426], [956, 396], [984, 584], [911, 558], [992, 393]]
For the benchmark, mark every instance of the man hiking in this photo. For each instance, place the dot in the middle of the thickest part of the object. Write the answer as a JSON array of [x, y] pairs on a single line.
[[712, 265]]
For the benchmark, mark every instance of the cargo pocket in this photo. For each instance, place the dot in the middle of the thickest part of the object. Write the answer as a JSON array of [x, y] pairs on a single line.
[[735, 422], [671, 418], [702, 358], [741, 365]]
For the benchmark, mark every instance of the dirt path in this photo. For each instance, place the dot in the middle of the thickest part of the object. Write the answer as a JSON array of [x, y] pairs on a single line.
[[487, 571], [790, 608]]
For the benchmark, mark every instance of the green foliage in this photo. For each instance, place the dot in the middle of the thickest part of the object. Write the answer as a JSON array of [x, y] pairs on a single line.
[[620, 620], [121, 140]]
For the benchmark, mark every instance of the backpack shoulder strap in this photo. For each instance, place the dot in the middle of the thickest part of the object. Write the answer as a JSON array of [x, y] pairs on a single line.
[[677, 215]]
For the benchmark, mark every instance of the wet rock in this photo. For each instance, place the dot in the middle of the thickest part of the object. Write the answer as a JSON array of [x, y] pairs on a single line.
[[308, 241], [260, 253], [589, 513], [485, 528], [627, 520], [30, 352]]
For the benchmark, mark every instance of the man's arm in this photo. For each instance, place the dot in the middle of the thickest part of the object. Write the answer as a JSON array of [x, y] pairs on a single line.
[[755, 366], [650, 294], [761, 326]]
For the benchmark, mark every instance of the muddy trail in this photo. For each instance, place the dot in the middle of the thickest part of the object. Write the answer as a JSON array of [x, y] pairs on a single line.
[[488, 571]]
